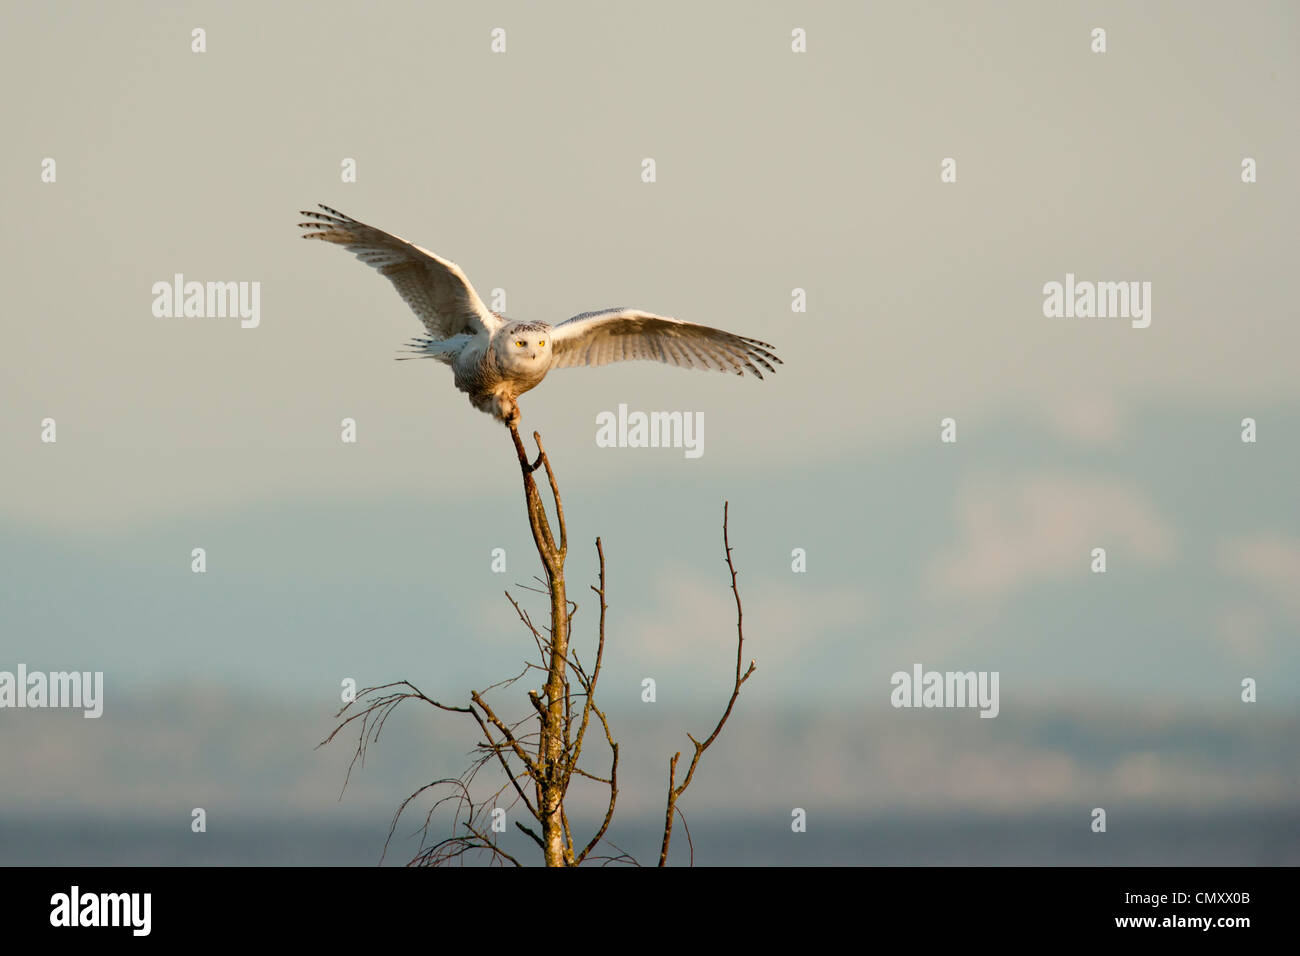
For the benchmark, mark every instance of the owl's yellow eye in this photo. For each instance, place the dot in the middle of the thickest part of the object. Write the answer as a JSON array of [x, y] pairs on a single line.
[[541, 344], [520, 343]]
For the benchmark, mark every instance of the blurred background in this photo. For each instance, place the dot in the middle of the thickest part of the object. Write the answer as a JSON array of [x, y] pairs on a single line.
[[775, 171]]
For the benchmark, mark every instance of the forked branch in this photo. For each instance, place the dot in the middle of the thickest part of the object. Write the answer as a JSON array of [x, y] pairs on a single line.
[[676, 790]]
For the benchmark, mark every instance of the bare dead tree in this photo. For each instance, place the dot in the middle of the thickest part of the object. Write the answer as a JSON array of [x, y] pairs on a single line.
[[542, 761]]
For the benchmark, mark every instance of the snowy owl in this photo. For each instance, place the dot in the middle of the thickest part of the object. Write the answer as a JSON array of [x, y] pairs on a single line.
[[494, 359]]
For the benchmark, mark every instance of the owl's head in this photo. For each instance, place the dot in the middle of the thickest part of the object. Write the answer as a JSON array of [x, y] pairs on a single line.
[[524, 346]]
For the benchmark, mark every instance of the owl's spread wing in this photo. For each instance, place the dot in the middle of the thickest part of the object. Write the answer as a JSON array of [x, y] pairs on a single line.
[[620, 335], [435, 288]]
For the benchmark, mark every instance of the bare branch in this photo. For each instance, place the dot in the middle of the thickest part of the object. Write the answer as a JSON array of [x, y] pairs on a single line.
[[534, 770], [374, 715], [590, 686], [555, 494], [674, 792]]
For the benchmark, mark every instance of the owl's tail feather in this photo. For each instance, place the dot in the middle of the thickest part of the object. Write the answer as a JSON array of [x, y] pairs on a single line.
[[444, 350]]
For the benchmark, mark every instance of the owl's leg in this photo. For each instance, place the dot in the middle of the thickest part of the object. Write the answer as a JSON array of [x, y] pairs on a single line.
[[502, 409]]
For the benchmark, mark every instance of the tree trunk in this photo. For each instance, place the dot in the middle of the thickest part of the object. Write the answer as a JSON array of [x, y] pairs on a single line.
[[550, 748], [552, 736]]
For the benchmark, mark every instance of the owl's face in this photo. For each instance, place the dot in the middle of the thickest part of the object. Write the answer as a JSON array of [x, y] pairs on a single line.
[[524, 346]]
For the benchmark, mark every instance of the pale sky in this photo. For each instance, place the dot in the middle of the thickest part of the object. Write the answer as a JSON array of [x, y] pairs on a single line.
[[775, 171]]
